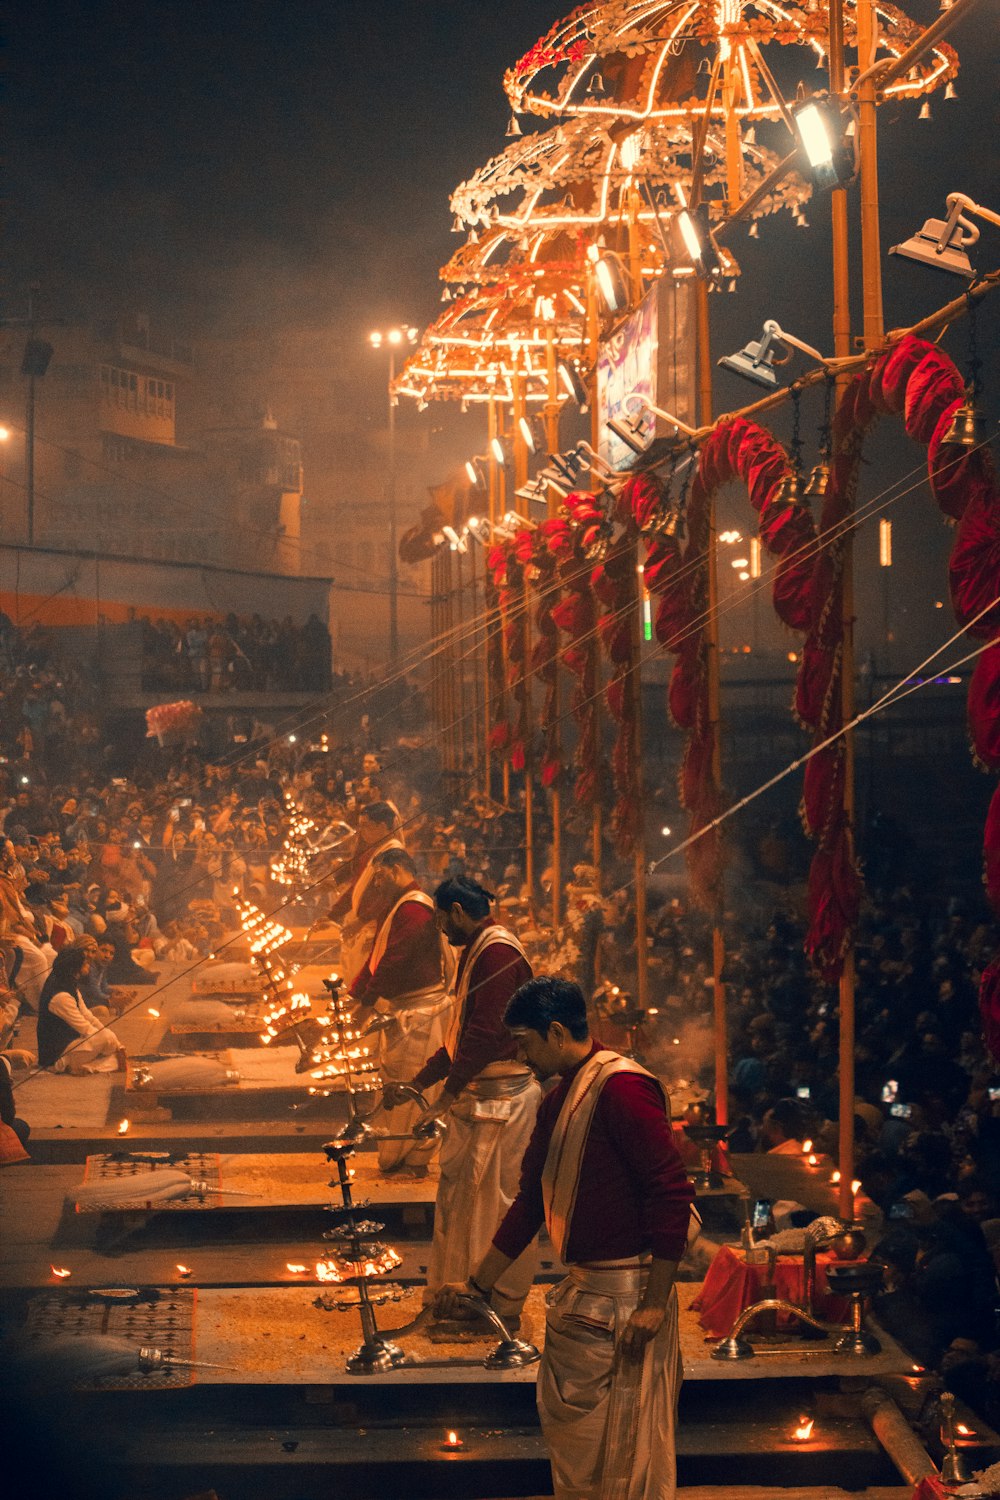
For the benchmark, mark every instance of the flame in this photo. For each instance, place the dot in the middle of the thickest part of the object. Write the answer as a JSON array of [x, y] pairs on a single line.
[[803, 1432], [154, 1012], [123, 1127], [835, 1177], [812, 1159], [183, 1270], [60, 1271], [453, 1440], [963, 1431], [295, 1270], [856, 1185], [806, 1147]]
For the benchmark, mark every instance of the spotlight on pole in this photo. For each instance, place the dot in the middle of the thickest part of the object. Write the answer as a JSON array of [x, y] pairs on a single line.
[[456, 541], [829, 151], [756, 361], [572, 383], [502, 451], [697, 236], [943, 242], [632, 431], [532, 430], [612, 282], [475, 473]]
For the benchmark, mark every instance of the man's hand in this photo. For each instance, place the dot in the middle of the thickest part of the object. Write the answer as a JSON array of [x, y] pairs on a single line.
[[393, 1095], [644, 1324], [450, 1298], [435, 1111]]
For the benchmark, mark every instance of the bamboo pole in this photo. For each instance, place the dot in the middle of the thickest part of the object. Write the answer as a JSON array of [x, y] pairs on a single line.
[[593, 354], [459, 671], [499, 506], [520, 478], [552, 443], [719, 1023], [871, 250], [639, 864]]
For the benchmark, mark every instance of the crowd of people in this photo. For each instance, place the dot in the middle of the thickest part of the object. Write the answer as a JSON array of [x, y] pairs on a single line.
[[244, 653], [102, 880]]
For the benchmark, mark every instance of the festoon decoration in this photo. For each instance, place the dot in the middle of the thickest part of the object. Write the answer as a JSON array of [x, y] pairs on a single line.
[[574, 613]]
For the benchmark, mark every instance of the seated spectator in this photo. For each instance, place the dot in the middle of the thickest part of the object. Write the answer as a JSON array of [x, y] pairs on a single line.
[[70, 1038]]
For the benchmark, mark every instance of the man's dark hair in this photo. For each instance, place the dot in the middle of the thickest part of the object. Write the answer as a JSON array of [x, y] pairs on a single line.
[[473, 898], [379, 812], [788, 1114], [396, 859], [545, 999]]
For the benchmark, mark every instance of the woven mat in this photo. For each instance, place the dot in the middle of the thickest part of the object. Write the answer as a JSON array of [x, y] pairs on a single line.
[[201, 1166], [159, 1319]]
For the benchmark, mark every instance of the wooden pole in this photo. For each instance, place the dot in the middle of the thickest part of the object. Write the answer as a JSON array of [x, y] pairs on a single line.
[[521, 478], [719, 1024], [593, 354], [499, 507], [639, 866], [842, 348], [552, 443], [871, 251]]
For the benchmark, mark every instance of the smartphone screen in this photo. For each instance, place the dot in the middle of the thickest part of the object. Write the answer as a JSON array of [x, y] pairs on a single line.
[[890, 1091], [761, 1213]]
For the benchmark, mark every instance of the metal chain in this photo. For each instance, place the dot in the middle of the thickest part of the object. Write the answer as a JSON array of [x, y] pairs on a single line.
[[975, 364]]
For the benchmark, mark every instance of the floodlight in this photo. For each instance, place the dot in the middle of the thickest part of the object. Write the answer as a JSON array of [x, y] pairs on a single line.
[[502, 451], [475, 473], [456, 541], [572, 383], [757, 360], [612, 282], [632, 431], [639, 406], [828, 150], [532, 430], [697, 236], [942, 242]]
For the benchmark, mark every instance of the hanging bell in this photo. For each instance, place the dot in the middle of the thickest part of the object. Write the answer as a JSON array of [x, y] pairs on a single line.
[[473, 237], [951, 92], [819, 479], [456, 225], [513, 129], [754, 230], [925, 111], [750, 137], [791, 490], [596, 84], [968, 425]]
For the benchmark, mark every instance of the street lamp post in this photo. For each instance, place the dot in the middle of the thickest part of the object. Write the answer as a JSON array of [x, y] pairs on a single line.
[[392, 339]]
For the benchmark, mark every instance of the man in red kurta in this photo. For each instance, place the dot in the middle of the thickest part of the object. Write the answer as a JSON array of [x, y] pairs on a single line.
[[488, 1102], [404, 975], [377, 824], [603, 1172]]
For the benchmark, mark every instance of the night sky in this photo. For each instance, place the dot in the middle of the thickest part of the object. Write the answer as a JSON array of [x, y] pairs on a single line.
[[228, 165]]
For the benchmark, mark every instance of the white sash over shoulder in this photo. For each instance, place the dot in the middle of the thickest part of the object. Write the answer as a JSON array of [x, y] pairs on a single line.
[[381, 942], [561, 1173]]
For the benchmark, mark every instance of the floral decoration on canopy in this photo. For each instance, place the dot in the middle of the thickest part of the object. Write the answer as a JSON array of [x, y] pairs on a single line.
[[654, 59]]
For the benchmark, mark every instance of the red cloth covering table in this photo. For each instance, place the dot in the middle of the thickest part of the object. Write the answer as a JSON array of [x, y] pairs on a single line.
[[731, 1285]]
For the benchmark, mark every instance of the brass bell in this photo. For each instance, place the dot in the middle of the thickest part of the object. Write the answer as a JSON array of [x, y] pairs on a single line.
[[967, 426], [819, 479], [791, 491], [925, 111]]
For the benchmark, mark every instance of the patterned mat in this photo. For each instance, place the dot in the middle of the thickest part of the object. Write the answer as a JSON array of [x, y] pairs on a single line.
[[117, 1167], [150, 1317]]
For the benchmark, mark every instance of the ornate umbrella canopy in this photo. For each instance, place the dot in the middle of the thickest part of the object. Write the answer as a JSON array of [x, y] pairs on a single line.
[[493, 335], [484, 259], [578, 176], [655, 59]]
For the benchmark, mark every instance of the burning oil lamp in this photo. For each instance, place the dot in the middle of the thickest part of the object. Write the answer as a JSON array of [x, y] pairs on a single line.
[[452, 1443], [182, 1271], [61, 1272], [804, 1431], [152, 1011], [294, 1269], [123, 1127]]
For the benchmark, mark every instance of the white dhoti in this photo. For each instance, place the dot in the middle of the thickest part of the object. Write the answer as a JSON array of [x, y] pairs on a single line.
[[609, 1423], [487, 1131], [422, 1023], [96, 1053]]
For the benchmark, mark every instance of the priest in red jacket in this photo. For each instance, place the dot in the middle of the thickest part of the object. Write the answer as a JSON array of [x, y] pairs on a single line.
[[603, 1173], [406, 976]]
